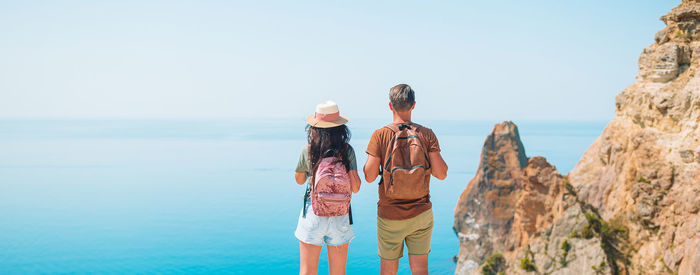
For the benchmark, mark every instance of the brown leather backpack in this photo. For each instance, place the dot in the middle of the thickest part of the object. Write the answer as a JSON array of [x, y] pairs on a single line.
[[406, 171]]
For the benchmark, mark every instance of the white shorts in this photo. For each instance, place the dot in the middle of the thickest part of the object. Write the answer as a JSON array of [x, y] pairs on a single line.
[[319, 230]]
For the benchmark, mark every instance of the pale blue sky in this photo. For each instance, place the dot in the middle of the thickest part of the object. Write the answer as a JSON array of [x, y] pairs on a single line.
[[518, 60]]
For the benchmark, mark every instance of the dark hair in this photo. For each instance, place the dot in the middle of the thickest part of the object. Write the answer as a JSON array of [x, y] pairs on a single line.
[[402, 97], [328, 142]]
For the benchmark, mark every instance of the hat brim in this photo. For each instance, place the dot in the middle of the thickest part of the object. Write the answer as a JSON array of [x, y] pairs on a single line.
[[311, 120]]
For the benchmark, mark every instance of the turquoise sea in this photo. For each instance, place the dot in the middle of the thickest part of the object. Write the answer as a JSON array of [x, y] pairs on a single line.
[[207, 196]]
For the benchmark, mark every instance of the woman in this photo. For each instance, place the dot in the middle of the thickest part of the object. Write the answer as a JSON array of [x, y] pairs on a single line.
[[328, 138]]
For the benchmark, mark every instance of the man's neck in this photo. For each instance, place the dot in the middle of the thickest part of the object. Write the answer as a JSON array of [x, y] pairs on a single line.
[[402, 119]]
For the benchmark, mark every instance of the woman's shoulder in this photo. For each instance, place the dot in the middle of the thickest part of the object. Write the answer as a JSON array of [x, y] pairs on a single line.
[[350, 149]]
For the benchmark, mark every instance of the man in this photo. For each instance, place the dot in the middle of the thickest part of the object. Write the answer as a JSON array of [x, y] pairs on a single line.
[[405, 155]]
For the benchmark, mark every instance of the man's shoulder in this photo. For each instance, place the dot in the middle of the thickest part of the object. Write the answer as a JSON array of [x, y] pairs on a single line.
[[379, 140], [383, 131], [387, 132], [421, 129], [386, 128]]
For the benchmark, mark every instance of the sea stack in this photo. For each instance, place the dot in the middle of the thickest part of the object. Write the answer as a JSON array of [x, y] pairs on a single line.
[[631, 204], [520, 209]]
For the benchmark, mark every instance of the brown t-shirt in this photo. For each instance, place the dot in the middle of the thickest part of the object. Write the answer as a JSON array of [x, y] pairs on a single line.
[[394, 209]]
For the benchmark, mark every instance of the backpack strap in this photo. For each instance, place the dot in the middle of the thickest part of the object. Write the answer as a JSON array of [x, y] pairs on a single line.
[[307, 195], [393, 127], [350, 213], [387, 156]]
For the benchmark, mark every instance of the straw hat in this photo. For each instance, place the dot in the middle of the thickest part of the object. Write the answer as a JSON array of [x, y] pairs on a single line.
[[327, 115]]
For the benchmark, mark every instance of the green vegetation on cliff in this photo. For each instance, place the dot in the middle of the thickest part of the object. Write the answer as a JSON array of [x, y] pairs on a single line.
[[495, 264]]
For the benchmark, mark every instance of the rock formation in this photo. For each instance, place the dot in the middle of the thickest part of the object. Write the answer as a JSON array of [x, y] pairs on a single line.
[[645, 167], [484, 216], [631, 204], [523, 210]]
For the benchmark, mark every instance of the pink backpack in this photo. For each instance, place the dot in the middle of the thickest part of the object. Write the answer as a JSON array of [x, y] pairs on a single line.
[[331, 191]]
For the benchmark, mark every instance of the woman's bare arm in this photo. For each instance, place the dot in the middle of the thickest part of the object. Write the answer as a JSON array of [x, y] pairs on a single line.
[[355, 181], [371, 168], [300, 178]]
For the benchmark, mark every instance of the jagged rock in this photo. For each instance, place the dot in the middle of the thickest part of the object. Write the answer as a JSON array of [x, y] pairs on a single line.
[[661, 37], [634, 195], [519, 207], [661, 63], [675, 45], [485, 211], [644, 167], [547, 254]]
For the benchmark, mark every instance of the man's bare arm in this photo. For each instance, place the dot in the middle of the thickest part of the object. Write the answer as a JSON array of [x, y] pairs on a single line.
[[438, 165], [371, 168]]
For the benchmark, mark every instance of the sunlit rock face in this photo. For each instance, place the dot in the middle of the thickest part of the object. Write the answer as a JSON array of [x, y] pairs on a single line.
[[520, 207], [485, 211], [645, 167], [631, 204], [673, 51]]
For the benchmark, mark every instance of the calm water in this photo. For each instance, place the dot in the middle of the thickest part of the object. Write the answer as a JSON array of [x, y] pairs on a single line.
[[178, 196]]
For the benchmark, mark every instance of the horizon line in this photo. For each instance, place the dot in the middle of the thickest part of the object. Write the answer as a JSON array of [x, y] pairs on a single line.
[[286, 118]]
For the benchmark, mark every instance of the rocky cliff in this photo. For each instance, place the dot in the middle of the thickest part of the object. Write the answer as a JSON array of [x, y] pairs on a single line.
[[631, 205], [645, 167]]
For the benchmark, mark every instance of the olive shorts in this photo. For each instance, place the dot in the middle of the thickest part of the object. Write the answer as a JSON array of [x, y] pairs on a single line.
[[415, 232]]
